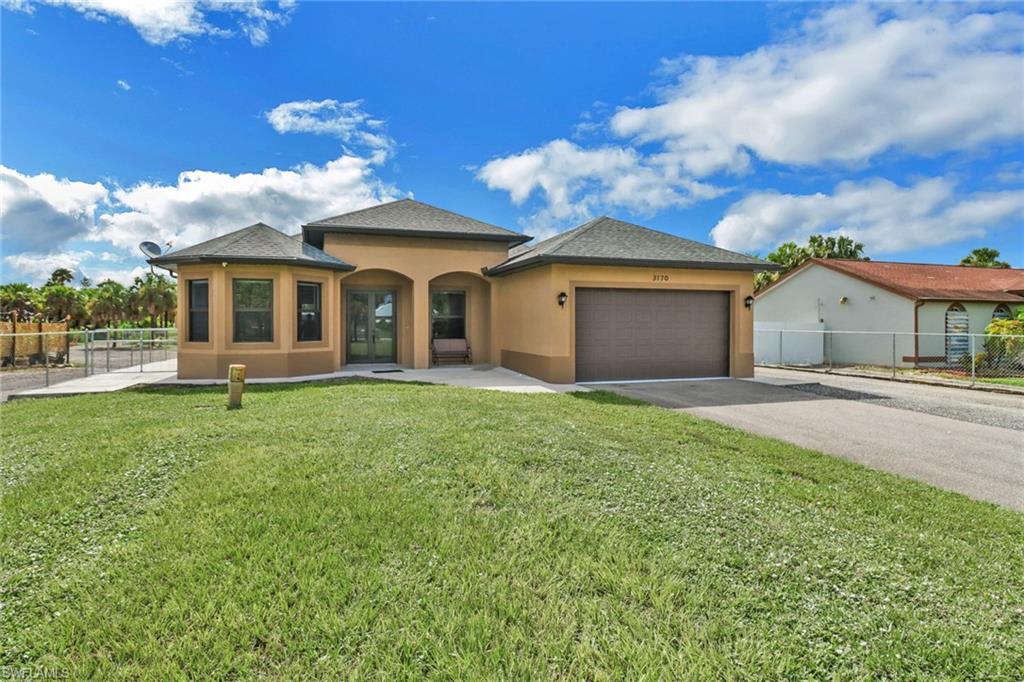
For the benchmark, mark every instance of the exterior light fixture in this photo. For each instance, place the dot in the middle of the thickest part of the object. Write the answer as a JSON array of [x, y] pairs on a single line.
[[843, 300], [224, 264], [562, 298], [748, 301]]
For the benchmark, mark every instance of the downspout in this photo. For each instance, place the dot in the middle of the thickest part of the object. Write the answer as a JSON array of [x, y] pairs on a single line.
[[917, 352]]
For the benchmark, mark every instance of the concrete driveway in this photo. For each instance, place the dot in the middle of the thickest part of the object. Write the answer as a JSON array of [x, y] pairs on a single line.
[[958, 439]]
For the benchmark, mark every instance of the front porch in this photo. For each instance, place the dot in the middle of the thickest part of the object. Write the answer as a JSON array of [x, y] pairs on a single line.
[[391, 319]]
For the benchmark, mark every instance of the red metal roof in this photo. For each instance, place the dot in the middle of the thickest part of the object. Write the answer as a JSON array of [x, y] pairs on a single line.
[[921, 281]]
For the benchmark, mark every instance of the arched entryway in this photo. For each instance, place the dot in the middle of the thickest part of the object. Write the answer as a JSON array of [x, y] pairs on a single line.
[[377, 319], [957, 328], [460, 308]]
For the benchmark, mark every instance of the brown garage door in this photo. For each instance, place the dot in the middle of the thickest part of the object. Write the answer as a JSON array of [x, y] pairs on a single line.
[[651, 334]]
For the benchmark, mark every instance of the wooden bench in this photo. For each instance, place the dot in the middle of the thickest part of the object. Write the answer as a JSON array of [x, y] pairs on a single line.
[[450, 349]]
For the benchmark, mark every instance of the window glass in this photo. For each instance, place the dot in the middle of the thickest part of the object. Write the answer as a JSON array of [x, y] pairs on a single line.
[[1002, 312], [448, 314], [253, 303], [198, 310], [309, 324]]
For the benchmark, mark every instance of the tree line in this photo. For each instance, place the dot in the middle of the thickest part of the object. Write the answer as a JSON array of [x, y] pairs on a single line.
[[791, 255], [150, 301]]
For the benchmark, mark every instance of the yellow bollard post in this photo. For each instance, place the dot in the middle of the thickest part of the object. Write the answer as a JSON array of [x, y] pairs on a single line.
[[236, 382]]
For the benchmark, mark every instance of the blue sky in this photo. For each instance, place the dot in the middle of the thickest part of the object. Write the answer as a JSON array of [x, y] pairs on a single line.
[[743, 125]]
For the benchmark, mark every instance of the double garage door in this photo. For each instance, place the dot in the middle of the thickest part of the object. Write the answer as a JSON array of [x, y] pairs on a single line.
[[624, 334]]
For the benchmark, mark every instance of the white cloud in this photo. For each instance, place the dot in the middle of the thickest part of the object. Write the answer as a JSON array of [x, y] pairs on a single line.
[[205, 204], [886, 217], [576, 181], [851, 83], [160, 22], [124, 85], [345, 120], [35, 267], [40, 211]]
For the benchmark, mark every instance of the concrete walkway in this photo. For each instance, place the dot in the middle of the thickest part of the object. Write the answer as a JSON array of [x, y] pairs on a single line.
[[164, 373], [106, 382]]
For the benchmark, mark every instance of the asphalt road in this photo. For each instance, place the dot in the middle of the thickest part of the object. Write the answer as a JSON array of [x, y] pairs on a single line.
[[971, 442]]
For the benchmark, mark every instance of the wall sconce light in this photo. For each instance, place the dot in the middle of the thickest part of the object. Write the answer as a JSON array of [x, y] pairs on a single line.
[[224, 264], [843, 300], [562, 298], [748, 301]]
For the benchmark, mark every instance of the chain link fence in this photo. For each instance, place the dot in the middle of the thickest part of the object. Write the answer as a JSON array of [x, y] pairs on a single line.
[[31, 360], [968, 359]]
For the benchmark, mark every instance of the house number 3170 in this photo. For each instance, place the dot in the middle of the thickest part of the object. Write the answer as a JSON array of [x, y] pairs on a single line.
[[660, 278]]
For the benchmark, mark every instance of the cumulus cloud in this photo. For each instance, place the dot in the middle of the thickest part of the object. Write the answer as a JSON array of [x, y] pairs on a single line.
[[40, 211], [885, 216], [35, 268], [41, 214], [160, 22], [345, 120], [576, 181], [853, 82], [124, 85], [204, 204], [853, 85]]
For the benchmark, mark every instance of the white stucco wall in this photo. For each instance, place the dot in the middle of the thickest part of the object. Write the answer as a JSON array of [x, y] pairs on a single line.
[[932, 318], [797, 343], [813, 295]]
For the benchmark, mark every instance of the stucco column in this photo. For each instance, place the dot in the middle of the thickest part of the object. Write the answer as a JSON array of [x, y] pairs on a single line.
[[421, 323]]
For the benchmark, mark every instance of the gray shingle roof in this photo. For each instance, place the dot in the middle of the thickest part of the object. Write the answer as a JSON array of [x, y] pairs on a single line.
[[607, 241], [257, 243], [409, 217]]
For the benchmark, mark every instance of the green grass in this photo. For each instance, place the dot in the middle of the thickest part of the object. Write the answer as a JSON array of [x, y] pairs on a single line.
[[1009, 381], [384, 530]]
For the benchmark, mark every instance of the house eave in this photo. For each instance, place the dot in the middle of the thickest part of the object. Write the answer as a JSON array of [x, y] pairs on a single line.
[[537, 261], [165, 261]]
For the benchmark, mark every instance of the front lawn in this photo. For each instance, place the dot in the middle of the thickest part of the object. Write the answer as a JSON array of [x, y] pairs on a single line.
[[372, 529]]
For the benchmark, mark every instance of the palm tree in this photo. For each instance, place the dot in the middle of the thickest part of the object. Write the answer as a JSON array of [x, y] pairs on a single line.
[[789, 255], [109, 304], [17, 297], [59, 301], [984, 258], [156, 296], [61, 276]]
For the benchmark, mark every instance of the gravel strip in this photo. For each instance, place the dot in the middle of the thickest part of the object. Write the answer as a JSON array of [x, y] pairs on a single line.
[[1002, 417]]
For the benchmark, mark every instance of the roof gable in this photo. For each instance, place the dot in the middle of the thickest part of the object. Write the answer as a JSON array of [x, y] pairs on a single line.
[[257, 243], [924, 281], [409, 217], [610, 241]]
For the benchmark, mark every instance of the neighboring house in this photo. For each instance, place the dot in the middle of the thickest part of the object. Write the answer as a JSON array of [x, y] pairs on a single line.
[[933, 307], [606, 300]]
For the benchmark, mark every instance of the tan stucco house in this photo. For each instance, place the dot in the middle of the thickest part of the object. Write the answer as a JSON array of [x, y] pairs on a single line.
[[607, 300]]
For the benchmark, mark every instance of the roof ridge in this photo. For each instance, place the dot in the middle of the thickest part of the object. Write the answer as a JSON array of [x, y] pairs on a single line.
[[579, 229], [360, 210]]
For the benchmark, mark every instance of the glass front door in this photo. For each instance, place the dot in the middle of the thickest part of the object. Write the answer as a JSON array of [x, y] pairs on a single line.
[[370, 326]]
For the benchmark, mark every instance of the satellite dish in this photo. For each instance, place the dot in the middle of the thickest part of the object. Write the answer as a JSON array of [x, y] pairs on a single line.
[[150, 249]]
